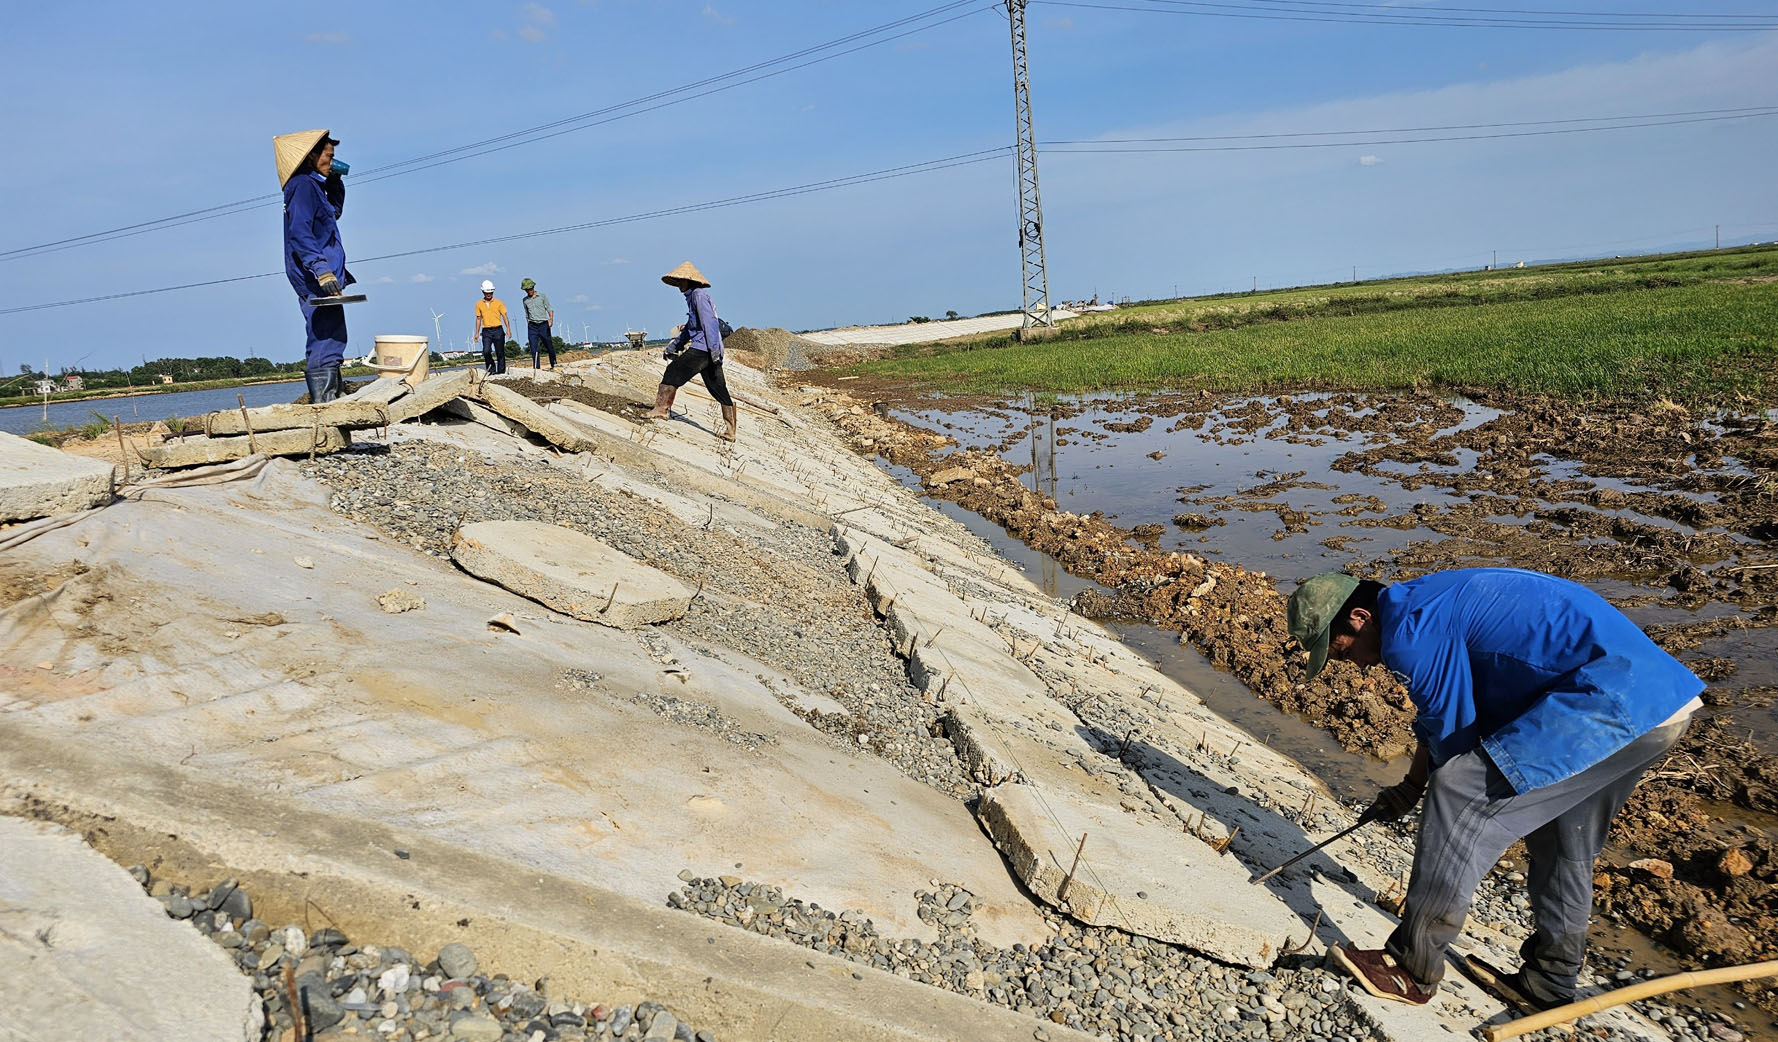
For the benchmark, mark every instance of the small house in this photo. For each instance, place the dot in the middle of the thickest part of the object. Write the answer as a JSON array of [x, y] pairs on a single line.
[[166, 378], [73, 382]]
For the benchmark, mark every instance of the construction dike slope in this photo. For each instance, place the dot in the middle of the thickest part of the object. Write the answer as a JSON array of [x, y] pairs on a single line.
[[744, 730]]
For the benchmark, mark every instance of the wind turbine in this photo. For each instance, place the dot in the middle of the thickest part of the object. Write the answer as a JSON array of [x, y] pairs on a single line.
[[437, 335]]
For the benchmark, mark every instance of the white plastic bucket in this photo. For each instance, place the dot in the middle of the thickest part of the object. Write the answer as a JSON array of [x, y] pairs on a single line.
[[403, 357]]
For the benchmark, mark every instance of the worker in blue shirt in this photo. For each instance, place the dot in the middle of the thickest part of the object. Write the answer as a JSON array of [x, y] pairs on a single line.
[[696, 349], [1539, 707], [314, 259]]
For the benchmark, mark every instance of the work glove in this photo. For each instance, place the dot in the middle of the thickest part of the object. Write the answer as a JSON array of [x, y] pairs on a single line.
[[1393, 803], [329, 283]]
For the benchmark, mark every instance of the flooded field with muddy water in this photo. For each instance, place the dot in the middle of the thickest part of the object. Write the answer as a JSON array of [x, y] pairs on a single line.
[[1181, 520]]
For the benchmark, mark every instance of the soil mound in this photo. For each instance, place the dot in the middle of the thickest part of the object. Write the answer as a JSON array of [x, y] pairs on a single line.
[[772, 348]]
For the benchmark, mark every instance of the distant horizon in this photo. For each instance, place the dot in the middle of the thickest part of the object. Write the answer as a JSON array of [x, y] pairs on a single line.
[[11, 371]]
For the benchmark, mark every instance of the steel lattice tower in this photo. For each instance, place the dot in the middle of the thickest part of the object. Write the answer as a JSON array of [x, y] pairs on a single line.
[[1035, 277]]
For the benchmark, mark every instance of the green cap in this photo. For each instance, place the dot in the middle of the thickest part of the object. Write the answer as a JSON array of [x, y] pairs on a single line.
[[1312, 610], [527, 284]]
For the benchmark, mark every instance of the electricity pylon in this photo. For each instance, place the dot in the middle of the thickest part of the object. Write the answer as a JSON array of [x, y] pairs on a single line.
[[1034, 277]]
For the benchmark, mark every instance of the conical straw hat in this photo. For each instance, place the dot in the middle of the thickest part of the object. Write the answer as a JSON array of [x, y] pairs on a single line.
[[292, 149], [687, 272]]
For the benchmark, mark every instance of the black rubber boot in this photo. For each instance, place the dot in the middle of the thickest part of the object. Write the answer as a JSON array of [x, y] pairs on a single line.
[[324, 384]]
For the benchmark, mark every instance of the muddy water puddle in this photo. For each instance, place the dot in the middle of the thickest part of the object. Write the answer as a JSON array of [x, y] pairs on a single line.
[[1253, 486], [1393, 488]]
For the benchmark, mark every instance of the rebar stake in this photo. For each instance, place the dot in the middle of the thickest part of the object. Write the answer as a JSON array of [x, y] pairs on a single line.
[[1062, 891], [252, 445], [122, 453]]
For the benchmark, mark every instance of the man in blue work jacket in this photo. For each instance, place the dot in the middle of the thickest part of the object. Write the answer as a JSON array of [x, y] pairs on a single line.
[[314, 259], [1539, 708]]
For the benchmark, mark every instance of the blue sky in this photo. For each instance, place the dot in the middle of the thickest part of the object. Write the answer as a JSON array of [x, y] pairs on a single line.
[[125, 112]]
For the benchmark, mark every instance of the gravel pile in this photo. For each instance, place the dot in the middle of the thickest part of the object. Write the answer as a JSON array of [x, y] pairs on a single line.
[[1104, 981], [684, 711], [780, 597], [1094, 979], [350, 992]]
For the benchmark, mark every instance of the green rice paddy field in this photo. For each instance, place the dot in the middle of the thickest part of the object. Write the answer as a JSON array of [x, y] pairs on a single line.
[[1700, 329]]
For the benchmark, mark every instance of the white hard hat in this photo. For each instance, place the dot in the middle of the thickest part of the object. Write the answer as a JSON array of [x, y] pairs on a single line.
[[487, 286]]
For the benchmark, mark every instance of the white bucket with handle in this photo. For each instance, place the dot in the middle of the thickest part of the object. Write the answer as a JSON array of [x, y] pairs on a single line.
[[401, 357]]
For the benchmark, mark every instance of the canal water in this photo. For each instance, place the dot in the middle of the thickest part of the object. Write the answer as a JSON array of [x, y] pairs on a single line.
[[139, 408]]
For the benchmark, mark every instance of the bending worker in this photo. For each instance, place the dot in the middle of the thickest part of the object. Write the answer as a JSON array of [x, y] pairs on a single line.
[[1540, 706], [314, 259], [494, 326], [539, 317], [697, 349]]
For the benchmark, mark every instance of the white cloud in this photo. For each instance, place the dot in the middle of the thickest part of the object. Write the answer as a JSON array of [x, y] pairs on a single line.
[[531, 34], [332, 38], [421, 277], [1594, 189], [1064, 24], [539, 14], [595, 307], [489, 268], [616, 260], [579, 298], [717, 16], [383, 281]]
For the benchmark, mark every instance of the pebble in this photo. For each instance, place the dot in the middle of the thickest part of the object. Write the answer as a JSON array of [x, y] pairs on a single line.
[[476, 1027], [364, 992], [457, 960]]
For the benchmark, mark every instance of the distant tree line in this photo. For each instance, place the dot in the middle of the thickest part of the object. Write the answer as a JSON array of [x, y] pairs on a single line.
[[182, 370]]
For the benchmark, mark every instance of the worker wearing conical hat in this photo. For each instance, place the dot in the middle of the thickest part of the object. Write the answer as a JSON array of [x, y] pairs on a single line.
[[695, 350], [314, 259]]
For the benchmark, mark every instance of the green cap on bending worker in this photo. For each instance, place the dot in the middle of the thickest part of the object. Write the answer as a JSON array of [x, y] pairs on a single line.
[[1312, 611]]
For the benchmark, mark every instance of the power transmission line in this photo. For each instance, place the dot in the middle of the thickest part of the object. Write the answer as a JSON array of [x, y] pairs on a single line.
[[1757, 109], [1394, 9], [1401, 16], [889, 173], [1082, 148], [542, 132], [905, 170]]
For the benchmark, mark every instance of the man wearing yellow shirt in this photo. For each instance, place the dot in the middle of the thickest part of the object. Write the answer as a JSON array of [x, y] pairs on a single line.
[[494, 327]]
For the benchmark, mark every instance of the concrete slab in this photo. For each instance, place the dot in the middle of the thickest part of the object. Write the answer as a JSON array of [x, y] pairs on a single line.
[[194, 452], [430, 721], [38, 481], [344, 412], [432, 393], [571, 572], [596, 419], [1138, 877], [476, 412], [87, 955], [383, 390], [536, 418], [522, 921]]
